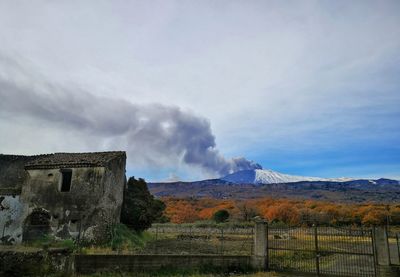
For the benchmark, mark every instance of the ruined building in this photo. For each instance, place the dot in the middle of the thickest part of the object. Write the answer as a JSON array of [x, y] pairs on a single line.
[[66, 194]]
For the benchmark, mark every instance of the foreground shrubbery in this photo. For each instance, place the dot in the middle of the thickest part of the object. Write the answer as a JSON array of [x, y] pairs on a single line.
[[123, 238], [49, 241], [140, 209]]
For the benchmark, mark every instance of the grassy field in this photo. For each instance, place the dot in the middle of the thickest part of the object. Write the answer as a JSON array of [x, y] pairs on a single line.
[[182, 240]]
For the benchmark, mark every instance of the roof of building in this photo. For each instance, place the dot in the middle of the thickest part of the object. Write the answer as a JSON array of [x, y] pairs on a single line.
[[63, 160]]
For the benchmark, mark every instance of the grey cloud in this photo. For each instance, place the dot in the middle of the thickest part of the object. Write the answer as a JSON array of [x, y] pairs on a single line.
[[154, 132]]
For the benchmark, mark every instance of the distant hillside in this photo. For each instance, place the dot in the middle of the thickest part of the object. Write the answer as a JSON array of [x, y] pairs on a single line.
[[268, 176], [381, 190]]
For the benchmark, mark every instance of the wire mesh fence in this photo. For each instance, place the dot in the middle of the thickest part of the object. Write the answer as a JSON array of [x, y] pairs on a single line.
[[159, 239], [394, 247], [318, 249], [398, 247], [322, 250], [199, 240]]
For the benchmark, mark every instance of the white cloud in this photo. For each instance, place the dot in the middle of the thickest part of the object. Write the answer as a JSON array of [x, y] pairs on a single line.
[[262, 72]]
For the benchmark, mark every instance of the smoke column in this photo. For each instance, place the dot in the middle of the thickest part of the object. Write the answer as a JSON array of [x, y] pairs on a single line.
[[153, 132]]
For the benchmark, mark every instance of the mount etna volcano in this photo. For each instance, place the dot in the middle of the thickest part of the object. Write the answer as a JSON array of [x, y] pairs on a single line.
[[249, 184], [268, 176]]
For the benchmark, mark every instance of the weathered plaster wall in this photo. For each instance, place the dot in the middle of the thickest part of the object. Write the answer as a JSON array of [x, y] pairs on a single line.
[[12, 173], [11, 211], [115, 182], [94, 201]]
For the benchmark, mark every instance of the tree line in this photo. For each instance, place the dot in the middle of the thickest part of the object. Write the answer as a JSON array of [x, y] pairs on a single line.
[[290, 212], [140, 209]]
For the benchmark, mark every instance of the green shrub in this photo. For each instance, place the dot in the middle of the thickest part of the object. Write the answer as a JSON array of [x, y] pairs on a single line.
[[49, 241], [221, 216], [140, 209], [68, 243], [124, 238]]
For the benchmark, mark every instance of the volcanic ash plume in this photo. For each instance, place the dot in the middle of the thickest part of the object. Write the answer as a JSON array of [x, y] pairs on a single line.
[[152, 133]]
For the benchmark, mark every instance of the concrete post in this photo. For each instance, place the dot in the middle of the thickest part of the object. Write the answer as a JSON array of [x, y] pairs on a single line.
[[384, 268], [381, 246], [260, 255]]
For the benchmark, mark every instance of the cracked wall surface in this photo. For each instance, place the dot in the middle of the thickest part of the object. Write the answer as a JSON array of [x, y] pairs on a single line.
[[11, 210]]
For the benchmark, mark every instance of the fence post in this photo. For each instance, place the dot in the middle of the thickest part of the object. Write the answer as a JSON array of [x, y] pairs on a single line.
[[4, 230], [252, 244], [382, 252], [260, 255], [222, 241], [398, 246], [190, 239], [156, 242], [316, 248]]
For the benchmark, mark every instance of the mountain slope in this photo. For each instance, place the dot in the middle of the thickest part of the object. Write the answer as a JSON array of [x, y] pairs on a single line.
[[250, 184], [355, 191], [267, 176]]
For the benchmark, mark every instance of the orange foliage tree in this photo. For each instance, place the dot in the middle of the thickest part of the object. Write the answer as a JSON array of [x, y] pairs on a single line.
[[291, 212], [181, 211]]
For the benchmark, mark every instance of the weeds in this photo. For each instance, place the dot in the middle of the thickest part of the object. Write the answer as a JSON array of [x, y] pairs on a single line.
[[48, 241], [124, 238]]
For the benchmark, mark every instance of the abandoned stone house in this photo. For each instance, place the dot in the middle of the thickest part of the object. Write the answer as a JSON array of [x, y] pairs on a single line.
[[66, 194]]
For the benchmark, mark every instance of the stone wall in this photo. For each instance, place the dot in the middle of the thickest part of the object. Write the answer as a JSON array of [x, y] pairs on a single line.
[[35, 262], [12, 172], [93, 202], [87, 209], [128, 263], [73, 210]]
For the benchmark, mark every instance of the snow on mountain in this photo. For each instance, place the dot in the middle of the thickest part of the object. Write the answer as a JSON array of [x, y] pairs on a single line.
[[267, 176]]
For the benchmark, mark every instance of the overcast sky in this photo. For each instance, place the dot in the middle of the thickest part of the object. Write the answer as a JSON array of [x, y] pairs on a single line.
[[302, 87]]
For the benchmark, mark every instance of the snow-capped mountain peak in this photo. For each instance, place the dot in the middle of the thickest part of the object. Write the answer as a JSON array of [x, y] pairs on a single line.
[[267, 176]]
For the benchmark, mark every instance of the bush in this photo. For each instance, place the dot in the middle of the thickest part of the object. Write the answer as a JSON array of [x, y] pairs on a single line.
[[140, 209], [221, 216], [49, 241], [124, 238]]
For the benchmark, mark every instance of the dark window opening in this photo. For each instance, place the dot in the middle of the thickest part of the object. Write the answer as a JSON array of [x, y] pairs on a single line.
[[66, 180]]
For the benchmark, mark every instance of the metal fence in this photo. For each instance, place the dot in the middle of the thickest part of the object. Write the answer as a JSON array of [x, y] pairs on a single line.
[[200, 240], [398, 247], [317, 250], [322, 251], [160, 239], [394, 247]]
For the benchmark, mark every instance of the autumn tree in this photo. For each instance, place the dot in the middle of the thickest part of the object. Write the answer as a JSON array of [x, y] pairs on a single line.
[[247, 211], [284, 212], [291, 212], [375, 217], [181, 211]]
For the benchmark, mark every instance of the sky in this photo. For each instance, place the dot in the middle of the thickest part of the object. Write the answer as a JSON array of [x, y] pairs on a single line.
[[200, 89]]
